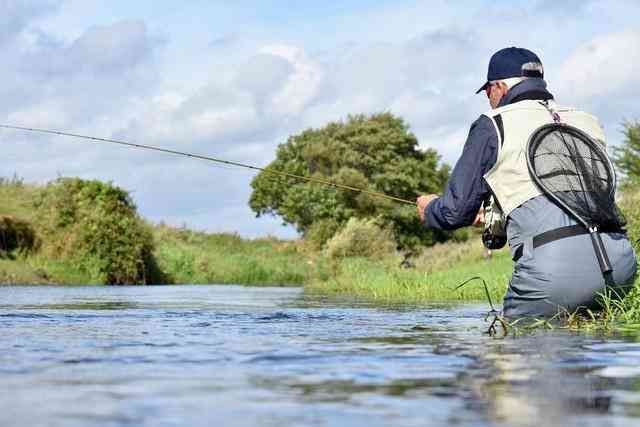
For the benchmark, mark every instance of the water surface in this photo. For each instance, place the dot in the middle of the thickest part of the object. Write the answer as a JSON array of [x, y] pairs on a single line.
[[236, 356]]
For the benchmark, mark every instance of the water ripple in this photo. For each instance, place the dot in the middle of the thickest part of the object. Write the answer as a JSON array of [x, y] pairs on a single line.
[[217, 355]]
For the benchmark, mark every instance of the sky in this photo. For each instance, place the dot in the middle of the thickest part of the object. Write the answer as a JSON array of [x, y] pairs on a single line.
[[235, 79]]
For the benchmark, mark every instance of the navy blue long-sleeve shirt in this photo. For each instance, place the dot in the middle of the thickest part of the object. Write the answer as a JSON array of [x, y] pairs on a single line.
[[466, 188]]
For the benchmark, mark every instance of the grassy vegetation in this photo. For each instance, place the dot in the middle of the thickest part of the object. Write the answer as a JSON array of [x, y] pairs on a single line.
[[441, 268], [437, 272], [18, 266], [187, 256], [625, 314], [40, 270], [96, 227], [39, 244], [87, 232]]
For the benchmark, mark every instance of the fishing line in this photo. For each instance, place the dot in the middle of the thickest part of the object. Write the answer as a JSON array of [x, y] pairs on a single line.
[[486, 291], [215, 160], [497, 318]]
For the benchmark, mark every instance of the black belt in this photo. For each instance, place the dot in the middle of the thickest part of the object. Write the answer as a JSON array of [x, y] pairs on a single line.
[[556, 234]]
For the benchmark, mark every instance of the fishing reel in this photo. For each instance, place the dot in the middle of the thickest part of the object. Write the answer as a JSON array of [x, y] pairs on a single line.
[[494, 235], [492, 241]]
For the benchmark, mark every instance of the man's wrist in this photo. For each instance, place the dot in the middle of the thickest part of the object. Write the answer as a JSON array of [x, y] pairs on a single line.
[[426, 210]]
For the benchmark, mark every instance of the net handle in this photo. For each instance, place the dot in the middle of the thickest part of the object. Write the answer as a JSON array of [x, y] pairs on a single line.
[[601, 252]]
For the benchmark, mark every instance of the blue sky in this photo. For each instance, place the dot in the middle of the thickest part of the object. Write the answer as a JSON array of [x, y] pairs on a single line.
[[234, 79]]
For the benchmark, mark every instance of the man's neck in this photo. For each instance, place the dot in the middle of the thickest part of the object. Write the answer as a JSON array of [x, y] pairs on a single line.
[[535, 89]]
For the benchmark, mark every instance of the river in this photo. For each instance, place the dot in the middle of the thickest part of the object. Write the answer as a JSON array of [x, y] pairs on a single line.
[[241, 356]]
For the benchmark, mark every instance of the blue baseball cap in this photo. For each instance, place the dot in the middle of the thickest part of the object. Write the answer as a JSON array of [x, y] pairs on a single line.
[[513, 62]]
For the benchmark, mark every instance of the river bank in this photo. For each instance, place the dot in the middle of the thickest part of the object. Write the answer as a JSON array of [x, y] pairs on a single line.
[[181, 256], [83, 239], [441, 268]]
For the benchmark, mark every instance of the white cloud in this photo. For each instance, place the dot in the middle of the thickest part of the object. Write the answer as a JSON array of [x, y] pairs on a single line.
[[15, 16], [100, 74], [238, 95], [302, 84], [606, 64]]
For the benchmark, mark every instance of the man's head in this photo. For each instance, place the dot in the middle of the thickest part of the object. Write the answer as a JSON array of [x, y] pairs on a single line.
[[507, 68]]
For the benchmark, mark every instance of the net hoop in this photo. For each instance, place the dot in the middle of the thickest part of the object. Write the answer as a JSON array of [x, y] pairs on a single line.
[[538, 136]]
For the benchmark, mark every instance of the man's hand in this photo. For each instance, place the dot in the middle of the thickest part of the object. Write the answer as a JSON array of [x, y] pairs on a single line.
[[422, 202], [479, 221]]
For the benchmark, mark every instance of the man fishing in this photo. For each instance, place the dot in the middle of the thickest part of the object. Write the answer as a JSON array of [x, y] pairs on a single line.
[[555, 270]]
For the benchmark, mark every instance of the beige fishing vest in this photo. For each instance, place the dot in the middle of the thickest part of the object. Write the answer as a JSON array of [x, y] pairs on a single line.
[[509, 178]]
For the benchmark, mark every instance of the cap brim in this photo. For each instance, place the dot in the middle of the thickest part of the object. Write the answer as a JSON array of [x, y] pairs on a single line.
[[484, 86]]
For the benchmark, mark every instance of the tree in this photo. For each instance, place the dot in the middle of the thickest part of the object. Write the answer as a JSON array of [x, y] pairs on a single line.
[[627, 157], [95, 226], [376, 153]]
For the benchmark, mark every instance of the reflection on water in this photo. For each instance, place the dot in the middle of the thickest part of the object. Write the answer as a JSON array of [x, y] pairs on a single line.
[[213, 355]]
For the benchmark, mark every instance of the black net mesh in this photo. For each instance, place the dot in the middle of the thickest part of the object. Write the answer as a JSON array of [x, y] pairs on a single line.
[[575, 171]]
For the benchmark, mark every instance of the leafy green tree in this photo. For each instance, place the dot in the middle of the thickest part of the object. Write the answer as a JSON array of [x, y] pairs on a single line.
[[96, 226], [627, 157], [376, 153]]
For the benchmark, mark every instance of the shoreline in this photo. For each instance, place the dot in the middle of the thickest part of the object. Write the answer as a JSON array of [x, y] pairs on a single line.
[[182, 256]]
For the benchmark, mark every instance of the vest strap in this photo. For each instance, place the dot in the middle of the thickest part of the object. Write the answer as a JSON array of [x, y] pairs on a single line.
[[552, 111], [500, 126]]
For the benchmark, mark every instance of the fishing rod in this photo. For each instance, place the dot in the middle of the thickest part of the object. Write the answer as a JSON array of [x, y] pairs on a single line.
[[213, 159]]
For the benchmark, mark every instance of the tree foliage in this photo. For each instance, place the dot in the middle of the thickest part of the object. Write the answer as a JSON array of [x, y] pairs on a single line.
[[96, 226], [376, 153], [627, 157], [16, 235]]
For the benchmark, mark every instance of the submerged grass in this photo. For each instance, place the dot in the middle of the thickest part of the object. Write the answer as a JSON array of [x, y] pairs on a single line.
[[617, 316]]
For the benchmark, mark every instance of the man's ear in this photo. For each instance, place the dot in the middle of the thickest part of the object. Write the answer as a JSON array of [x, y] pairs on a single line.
[[503, 88]]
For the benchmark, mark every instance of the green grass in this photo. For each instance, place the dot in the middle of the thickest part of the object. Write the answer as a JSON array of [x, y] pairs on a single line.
[[438, 272], [185, 256], [195, 257], [18, 272], [38, 270], [17, 198], [441, 268], [180, 255]]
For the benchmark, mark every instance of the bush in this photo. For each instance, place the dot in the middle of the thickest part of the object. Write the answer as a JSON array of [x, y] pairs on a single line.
[[16, 234], [361, 237], [320, 232], [96, 226], [627, 155], [630, 206]]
